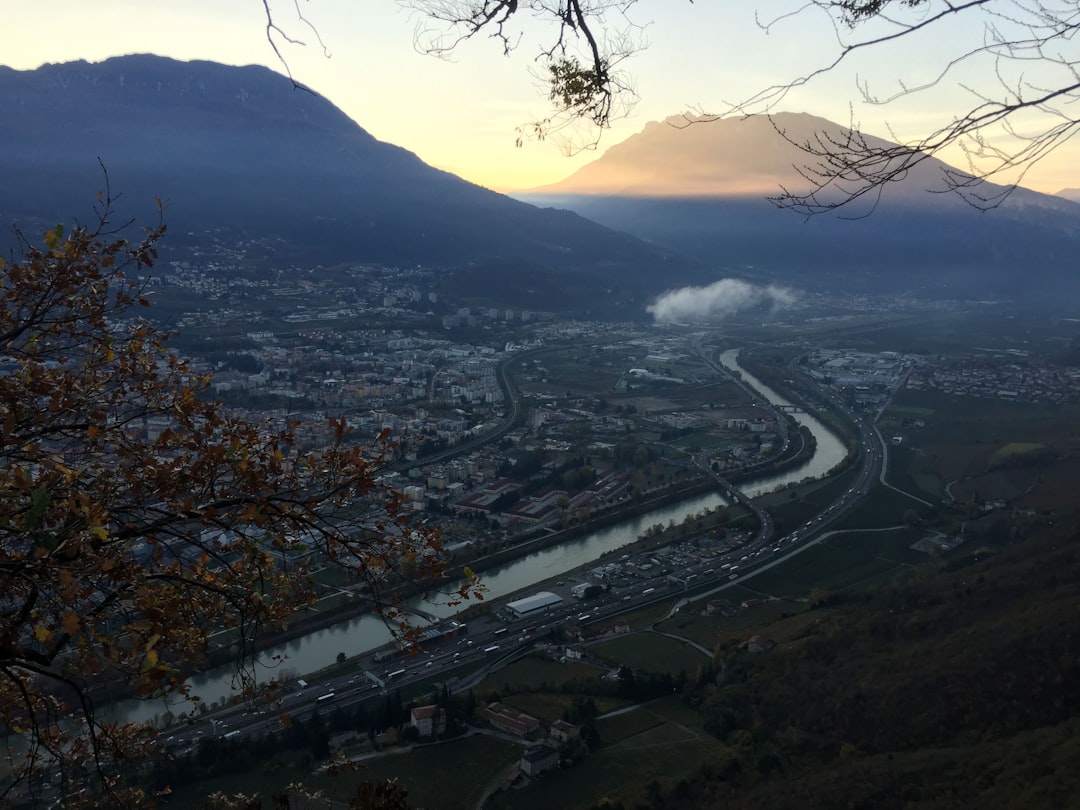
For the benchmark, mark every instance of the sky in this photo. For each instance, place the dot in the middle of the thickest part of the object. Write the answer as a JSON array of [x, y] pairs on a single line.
[[461, 114]]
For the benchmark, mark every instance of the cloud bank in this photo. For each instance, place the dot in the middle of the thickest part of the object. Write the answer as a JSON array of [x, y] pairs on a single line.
[[719, 300]]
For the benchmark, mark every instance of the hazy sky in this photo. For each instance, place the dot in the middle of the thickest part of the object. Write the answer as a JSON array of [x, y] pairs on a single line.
[[461, 115]]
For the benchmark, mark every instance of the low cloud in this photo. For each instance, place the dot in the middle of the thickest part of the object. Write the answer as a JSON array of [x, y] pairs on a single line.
[[719, 300]]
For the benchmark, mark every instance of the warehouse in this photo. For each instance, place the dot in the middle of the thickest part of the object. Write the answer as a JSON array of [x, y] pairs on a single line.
[[531, 604]]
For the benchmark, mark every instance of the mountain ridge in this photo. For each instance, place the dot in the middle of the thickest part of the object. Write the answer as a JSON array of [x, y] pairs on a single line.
[[906, 241], [240, 148], [761, 154]]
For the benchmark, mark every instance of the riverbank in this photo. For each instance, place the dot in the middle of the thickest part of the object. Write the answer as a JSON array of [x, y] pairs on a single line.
[[322, 618], [798, 455], [342, 625]]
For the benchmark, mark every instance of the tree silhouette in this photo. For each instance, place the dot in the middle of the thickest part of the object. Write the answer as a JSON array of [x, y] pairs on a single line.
[[138, 517], [1021, 80]]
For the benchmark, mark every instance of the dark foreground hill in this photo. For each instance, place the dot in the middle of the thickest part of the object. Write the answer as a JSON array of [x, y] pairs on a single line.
[[702, 188], [239, 152], [953, 690]]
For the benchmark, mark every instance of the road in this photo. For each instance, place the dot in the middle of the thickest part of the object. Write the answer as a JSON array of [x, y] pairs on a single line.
[[493, 643]]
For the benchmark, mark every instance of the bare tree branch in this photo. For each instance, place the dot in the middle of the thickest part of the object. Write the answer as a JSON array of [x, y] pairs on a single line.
[[1023, 104], [578, 60], [1020, 112]]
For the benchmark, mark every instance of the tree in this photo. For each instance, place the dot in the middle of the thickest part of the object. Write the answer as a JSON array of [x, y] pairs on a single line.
[[138, 517], [1022, 97], [1020, 105], [581, 62]]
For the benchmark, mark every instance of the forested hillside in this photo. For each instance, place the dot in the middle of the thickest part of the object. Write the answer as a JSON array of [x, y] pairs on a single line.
[[955, 689]]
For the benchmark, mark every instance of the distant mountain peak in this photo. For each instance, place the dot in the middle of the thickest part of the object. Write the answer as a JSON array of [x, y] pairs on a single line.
[[700, 186], [241, 153], [690, 155], [694, 156]]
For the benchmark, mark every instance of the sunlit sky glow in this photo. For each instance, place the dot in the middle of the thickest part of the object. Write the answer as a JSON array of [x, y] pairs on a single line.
[[461, 114]]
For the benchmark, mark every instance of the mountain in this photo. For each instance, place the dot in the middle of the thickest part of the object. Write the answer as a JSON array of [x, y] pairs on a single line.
[[701, 185], [240, 152], [1070, 194]]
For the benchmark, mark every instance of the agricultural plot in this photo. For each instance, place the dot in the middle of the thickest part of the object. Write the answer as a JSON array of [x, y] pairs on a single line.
[[640, 619], [651, 652], [621, 774], [268, 778], [984, 449], [621, 726], [550, 706], [535, 672], [1007, 485], [434, 775], [703, 441], [692, 622], [852, 560], [882, 508], [580, 376]]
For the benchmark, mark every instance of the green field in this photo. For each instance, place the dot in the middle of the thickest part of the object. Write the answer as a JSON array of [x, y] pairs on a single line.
[[551, 706], [651, 652], [268, 778], [660, 742], [854, 559], [618, 774], [881, 508], [693, 622], [539, 672], [1023, 453], [624, 725], [449, 776]]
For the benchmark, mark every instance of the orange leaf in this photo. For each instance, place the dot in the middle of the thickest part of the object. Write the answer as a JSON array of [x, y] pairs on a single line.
[[71, 623]]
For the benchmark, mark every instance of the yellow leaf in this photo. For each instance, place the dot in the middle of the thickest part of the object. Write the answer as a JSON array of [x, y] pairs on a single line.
[[100, 532], [42, 633], [151, 658]]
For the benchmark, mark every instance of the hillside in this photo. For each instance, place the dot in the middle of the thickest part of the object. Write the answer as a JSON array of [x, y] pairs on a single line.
[[239, 152], [702, 187], [934, 693], [948, 690]]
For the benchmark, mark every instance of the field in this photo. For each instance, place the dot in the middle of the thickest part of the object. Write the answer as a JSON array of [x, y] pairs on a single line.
[[852, 559], [883, 507], [657, 742], [450, 776], [984, 449], [651, 652], [268, 778], [710, 630], [536, 672], [551, 706], [544, 688]]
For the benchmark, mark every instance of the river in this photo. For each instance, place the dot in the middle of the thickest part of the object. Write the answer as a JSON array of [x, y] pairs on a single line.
[[320, 648]]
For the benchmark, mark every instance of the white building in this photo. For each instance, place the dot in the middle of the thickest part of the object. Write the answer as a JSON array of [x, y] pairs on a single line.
[[533, 603]]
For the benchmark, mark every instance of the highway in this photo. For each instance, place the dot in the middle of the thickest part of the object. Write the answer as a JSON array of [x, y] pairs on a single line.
[[694, 576]]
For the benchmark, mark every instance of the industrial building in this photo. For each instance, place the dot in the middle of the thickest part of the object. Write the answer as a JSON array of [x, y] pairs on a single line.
[[533, 603]]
